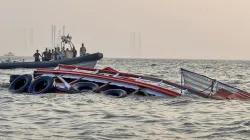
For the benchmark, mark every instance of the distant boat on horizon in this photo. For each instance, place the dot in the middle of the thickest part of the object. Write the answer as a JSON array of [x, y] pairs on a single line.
[[10, 54]]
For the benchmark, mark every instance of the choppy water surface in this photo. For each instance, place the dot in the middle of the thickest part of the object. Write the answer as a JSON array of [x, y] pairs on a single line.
[[94, 116]]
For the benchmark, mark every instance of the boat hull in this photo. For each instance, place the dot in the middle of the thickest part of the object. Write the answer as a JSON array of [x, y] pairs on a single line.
[[86, 61], [122, 81]]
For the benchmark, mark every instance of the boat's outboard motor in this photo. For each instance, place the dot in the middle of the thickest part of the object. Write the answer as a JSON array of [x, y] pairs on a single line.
[[20, 83], [85, 87], [43, 84], [119, 93]]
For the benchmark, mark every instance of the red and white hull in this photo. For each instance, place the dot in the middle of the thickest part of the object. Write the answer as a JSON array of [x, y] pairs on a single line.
[[76, 79], [104, 76]]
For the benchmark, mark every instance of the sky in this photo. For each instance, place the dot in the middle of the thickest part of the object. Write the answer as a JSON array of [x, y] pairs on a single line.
[[171, 29]]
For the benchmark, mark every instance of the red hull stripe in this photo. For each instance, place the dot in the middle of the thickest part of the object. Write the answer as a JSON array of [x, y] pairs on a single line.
[[121, 74], [106, 70], [112, 71], [145, 85]]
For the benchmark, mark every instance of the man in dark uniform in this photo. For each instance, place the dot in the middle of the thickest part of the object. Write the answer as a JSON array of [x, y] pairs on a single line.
[[55, 54], [45, 55], [74, 51], [36, 56], [52, 52], [49, 55]]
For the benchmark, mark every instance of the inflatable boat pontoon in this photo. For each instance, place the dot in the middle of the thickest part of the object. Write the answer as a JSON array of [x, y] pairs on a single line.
[[89, 60]]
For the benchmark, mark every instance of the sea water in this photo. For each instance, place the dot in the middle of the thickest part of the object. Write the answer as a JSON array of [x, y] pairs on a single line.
[[95, 116]]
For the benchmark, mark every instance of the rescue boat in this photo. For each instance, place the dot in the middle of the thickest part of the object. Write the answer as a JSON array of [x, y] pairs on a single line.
[[87, 60]]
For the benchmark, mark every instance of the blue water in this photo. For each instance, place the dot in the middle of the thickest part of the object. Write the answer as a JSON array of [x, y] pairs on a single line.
[[95, 116]]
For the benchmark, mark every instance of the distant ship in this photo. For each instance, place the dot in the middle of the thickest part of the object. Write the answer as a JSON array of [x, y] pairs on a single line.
[[9, 54]]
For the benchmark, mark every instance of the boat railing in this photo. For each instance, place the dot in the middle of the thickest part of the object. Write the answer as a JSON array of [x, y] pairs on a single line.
[[140, 78]]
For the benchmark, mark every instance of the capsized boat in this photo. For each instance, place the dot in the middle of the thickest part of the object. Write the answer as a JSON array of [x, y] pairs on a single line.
[[107, 78], [76, 79]]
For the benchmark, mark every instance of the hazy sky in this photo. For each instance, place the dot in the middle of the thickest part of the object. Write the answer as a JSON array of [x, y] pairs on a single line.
[[194, 29]]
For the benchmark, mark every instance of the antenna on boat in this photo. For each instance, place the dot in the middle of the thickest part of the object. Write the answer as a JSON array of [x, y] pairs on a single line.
[[59, 36], [139, 45], [52, 41], [63, 30], [54, 35]]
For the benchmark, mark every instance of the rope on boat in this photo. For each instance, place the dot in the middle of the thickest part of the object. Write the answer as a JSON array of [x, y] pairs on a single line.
[[211, 86]]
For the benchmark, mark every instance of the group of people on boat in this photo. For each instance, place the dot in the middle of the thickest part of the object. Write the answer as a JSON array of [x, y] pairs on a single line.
[[57, 54]]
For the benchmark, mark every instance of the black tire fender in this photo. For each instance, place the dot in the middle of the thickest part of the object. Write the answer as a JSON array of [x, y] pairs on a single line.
[[20, 84], [119, 93], [85, 86], [13, 77], [43, 84]]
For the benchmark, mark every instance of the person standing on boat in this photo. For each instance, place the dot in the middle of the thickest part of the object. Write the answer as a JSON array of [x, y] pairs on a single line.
[[63, 54], [36, 56], [74, 51], [59, 53], [82, 50], [55, 54], [67, 52], [45, 55], [52, 56], [49, 55]]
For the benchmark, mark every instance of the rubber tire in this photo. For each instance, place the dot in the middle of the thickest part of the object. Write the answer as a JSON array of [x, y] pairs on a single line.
[[119, 93], [41, 80], [23, 88], [85, 86], [13, 77]]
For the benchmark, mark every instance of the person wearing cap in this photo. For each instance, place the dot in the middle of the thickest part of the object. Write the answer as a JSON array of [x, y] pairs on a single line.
[[36, 56]]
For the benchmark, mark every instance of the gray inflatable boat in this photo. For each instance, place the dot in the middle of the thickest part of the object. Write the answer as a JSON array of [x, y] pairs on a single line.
[[89, 60]]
